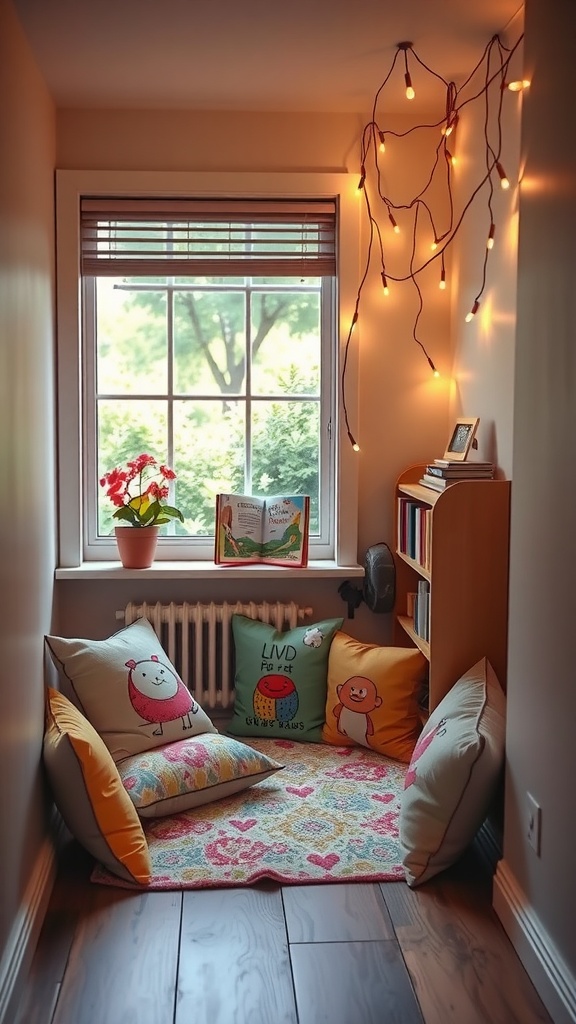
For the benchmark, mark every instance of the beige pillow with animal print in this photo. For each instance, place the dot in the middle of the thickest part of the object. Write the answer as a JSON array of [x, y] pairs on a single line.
[[128, 689]]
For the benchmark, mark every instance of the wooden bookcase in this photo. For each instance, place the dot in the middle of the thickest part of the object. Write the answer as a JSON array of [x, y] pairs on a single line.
[[468, 549]]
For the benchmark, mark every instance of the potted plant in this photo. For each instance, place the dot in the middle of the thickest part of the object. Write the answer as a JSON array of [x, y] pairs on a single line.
[[139, 491]]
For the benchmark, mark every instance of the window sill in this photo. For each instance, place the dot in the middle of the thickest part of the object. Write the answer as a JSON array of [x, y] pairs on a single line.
[[161, 570]]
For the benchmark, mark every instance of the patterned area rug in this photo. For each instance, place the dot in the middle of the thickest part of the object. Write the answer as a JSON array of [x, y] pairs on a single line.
[[331, 815]]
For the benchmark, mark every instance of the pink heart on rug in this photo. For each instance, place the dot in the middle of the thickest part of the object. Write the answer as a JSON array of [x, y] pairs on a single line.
[[300, 790], [287, 744], [323, 862], [243, 826], [384, 798]]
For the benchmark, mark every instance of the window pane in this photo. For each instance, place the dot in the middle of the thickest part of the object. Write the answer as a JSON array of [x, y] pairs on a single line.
[[209, 442], [285, 451], [286, 332], [126, 428], [131, 356], [209, 342]]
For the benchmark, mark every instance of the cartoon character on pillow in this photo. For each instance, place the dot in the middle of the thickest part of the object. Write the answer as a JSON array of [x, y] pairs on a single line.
[[275, 698], [358, 697], [158, 695], [422, 745]]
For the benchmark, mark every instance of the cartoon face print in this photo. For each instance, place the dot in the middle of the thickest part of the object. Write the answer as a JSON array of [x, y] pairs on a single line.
[[158, 695], [275, 697], [358, 697], [359, 694], [153, 679]]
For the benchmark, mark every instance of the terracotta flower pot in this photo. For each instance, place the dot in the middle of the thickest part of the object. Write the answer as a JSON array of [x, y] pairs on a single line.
[[136, 545]]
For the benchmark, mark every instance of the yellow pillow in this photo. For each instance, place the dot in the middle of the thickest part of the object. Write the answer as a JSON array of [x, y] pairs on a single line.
[[89, 793], [373, 696]]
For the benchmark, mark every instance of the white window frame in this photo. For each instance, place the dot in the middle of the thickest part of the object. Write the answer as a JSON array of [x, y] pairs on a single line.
[[70, 186]]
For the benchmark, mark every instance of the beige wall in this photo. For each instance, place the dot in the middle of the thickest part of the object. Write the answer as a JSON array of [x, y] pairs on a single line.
[[27, 459], [402, 409], [541, 891], [483, 371]]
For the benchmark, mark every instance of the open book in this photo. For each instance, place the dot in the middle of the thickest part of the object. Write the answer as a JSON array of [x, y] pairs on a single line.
[[270, 530]]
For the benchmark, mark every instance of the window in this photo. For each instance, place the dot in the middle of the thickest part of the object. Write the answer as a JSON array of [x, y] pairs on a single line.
[[210, 339]]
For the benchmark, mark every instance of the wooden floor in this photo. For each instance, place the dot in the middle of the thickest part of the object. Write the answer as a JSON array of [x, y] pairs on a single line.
[[343, 954]]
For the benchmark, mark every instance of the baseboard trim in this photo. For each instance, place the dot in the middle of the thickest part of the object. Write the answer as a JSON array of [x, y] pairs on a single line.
[[549, 973], [26, 928]]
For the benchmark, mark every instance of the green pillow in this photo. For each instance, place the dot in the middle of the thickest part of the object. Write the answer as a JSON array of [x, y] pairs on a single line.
[[281, 679]]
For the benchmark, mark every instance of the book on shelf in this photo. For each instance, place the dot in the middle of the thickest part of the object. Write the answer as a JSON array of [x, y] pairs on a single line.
[[439, 483], [435, 483], [422, 610], [457, 473], [463, 466], [272, 531]]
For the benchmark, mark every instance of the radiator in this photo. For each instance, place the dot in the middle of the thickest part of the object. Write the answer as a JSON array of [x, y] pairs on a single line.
[[198, 640]]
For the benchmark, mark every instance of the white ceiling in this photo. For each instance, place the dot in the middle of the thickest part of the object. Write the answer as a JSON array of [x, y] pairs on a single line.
[[268, 55]]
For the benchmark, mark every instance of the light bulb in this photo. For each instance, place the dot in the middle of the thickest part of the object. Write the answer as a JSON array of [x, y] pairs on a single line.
[[442, 284], [382, 146], [490, 239], [470, 316], [519, 86], [354, 322], [504, 183], [385, 285], [362, 180], [394, 224], [353, 442], [434, 245], [432, 367], [410, 94]]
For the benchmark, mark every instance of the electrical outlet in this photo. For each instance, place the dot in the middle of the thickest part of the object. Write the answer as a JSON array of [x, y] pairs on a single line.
[[533, 823]]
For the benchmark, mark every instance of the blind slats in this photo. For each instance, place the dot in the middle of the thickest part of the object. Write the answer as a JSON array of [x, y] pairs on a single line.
[[222, 238]]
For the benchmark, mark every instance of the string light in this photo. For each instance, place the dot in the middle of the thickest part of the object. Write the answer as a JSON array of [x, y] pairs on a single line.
[[470, 316], [517, 86], [504, 183], [436, 184], [353, 441], [410, 94]]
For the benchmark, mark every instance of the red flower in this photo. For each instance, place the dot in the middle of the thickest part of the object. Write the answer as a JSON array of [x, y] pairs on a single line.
[[143, 504]]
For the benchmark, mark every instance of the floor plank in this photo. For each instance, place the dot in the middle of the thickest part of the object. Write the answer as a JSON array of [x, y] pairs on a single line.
[[57, 936], [234, 963], [124, 960], [462, 965], [336, 913], [352, 983]]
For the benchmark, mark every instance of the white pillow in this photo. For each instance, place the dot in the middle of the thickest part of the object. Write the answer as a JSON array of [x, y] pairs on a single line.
[[128, 689], [453, 774]]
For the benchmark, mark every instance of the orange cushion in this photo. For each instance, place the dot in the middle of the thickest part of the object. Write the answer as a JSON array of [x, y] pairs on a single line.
[[89, 793], [373, 696]]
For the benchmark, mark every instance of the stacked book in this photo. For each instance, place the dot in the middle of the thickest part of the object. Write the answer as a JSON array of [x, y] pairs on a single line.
[[443, 472]]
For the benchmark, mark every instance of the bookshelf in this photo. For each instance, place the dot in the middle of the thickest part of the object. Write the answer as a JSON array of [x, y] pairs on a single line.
[[458, 542]]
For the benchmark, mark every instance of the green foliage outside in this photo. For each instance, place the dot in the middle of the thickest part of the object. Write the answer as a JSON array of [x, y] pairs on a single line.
[[206, 441]]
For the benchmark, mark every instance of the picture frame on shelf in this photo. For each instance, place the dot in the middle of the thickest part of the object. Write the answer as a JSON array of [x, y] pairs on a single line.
[[461, 438]]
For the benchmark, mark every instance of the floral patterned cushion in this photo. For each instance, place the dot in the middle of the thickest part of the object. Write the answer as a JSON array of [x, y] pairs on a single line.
[[191, 772]]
